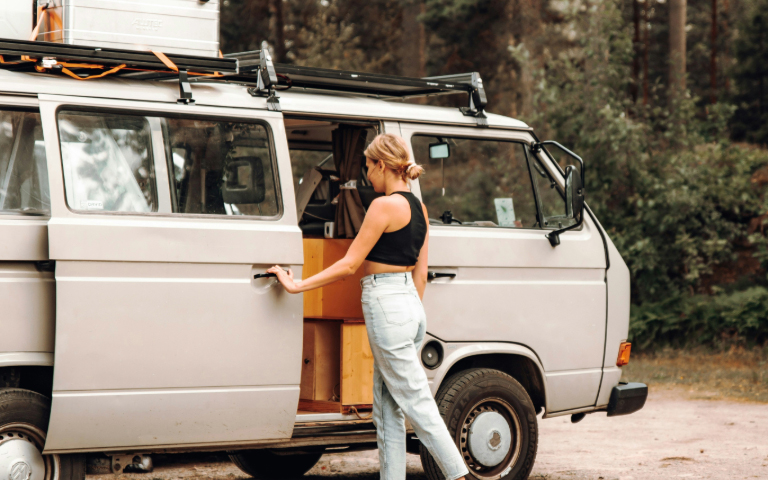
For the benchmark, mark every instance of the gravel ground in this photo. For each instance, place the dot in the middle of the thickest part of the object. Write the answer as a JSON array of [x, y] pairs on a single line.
[[676, 435]]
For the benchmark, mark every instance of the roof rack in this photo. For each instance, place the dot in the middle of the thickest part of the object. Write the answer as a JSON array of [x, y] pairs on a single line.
[[257, 68], [254, 69]]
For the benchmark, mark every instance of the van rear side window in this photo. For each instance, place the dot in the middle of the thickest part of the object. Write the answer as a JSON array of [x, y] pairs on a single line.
[[23, 169], [107, 162], [220, 168]]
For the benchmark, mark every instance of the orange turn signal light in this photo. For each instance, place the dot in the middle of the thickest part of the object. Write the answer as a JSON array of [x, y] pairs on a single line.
[[624, 350]]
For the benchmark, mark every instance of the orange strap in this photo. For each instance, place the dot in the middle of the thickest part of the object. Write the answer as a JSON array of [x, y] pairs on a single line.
[[103, 74], [166, 61], [42, 11]]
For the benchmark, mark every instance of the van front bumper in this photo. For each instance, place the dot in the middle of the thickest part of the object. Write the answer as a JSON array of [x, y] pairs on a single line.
[[627, 398]]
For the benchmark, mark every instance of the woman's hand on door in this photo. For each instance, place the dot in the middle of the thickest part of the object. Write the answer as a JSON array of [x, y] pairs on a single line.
[[285, 277]]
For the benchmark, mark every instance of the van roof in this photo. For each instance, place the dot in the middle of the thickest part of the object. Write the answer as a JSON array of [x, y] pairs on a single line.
[[236, 96]]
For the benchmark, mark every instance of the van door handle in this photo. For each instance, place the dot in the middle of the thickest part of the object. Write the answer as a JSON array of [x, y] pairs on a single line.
[[434, 275], [264, 275]]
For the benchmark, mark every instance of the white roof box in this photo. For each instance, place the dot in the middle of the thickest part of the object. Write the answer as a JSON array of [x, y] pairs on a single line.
[[16, 19], [188, 27]]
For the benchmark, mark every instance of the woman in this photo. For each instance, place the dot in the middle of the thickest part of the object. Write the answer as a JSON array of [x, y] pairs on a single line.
[[392, 249]]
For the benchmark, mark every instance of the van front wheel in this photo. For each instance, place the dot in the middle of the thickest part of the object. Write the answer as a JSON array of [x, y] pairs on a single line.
[[23, 425], [270, 464], [493, 422]]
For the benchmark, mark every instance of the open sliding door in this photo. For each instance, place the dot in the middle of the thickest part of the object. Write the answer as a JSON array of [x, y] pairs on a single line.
[[160, 217]]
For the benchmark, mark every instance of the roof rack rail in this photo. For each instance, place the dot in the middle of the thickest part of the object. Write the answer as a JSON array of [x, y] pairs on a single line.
[[254, 69], [257, 67]]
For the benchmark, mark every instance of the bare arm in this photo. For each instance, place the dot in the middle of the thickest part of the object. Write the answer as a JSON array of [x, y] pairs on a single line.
[[375, 223], [420, 272]]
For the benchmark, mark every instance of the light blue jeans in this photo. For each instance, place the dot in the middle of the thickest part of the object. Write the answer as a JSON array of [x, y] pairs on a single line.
[[396, 324]]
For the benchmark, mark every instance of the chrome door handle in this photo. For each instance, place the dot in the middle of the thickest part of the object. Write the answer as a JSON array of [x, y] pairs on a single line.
[[264, 275], [434, 275]]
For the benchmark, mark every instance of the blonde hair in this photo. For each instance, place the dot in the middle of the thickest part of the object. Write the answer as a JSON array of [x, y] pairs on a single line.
[[393, 151]]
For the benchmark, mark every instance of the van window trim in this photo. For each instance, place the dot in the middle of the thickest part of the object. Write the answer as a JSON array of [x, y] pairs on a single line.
[[534, 190], [165, 114]]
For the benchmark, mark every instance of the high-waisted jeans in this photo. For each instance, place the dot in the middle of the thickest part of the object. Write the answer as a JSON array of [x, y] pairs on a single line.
[[396, 324]]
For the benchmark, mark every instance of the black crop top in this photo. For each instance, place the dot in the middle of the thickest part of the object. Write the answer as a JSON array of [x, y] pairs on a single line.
[[402, 247]]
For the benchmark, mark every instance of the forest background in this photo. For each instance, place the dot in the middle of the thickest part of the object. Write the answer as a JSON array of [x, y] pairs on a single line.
[[666, 100]]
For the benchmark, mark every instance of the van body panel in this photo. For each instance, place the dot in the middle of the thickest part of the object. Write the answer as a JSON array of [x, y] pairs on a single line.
[[26, 359], [27, 297], [162, 334], [170, 417], [611, 377], [572, 387], [24, 238], [508, 280], [456, 351]]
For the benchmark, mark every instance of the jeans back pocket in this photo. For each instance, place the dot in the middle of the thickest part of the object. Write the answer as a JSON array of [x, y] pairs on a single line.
[[399, 308]]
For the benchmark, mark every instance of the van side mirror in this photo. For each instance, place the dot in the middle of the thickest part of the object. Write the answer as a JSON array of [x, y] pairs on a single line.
[[574, 190], [243, 181], [574, 193], [439, 150]]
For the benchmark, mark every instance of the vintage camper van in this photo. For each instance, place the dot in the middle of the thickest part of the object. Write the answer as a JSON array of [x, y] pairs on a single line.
[[139, 212]]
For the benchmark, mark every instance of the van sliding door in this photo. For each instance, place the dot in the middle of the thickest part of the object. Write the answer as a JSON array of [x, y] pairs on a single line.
[[509, 284], [159, 222]]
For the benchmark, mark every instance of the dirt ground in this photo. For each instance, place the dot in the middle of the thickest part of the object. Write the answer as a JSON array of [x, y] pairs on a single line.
[[674, 436]]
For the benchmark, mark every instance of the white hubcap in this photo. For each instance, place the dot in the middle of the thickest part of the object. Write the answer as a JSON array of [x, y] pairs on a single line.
[[20, 459], [489, 439]]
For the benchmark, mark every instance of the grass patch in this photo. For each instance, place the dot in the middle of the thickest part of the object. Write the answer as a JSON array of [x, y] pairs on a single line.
[[740, 374]]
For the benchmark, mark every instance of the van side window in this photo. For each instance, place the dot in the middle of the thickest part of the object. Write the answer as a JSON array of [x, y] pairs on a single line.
[[220, 168], [23, 169], [107, 162], [475, 182]]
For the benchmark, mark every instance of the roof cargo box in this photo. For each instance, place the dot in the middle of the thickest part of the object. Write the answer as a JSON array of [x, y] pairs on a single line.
[[188, 27], [16, 19]]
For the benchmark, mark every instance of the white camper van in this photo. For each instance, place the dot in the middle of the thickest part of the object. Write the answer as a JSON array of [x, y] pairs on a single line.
[[139, 212]]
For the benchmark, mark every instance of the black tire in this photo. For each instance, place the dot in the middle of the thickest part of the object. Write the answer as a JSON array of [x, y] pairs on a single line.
[[31, 412], [267, 465], [459, 400]]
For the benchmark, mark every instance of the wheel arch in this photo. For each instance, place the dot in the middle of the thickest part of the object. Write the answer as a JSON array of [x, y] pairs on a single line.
[[515, 360], [28, 371]]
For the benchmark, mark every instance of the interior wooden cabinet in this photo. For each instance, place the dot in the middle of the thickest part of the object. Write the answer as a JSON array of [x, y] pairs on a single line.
[[337, 362]]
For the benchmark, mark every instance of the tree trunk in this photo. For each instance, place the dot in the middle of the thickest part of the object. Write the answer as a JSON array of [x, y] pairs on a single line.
[[635, 51], [713, 56], [277, 6], [414, 42], [677, 53], [725, 56], [646, 50]]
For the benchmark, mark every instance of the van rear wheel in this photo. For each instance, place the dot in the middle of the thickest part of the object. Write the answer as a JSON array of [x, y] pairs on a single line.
[[269, 464], [493, 422], [23, 424]]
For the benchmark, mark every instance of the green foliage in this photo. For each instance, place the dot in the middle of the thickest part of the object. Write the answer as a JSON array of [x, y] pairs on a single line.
[[719, 321], [751, 77], [675, 195]]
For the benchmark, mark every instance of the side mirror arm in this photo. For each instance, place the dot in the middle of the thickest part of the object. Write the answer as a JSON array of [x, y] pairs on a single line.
[[554, 237]]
